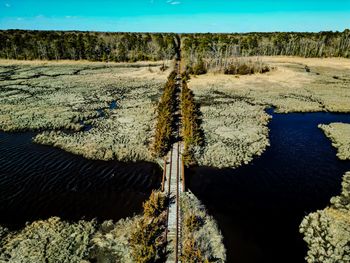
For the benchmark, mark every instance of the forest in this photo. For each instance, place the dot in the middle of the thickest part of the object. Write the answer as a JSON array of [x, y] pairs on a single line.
[[203, 52], [124, 47], [93, 46]]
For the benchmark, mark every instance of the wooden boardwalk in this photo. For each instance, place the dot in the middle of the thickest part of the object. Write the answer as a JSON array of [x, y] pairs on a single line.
[[173, 188]]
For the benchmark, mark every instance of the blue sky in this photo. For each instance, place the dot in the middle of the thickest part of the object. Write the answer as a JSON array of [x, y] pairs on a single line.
[[176, 15]]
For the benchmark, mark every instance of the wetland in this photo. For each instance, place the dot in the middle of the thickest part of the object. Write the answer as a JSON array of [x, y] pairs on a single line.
[[76, 141]]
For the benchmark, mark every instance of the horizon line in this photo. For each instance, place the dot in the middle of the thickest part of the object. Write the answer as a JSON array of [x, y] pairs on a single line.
[[171, 32]]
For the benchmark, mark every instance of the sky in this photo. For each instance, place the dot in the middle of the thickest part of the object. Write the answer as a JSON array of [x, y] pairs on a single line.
[[176, 15]]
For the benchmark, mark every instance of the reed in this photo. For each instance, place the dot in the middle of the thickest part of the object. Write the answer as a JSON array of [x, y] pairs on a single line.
[[59, 99], [202, 239], [339, 134], [327, 231], [136, 239], [234, 120]]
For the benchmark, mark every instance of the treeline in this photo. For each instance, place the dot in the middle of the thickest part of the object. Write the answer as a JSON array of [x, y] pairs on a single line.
[[165, 118], [94, 46], [192, 133], [215, 50]]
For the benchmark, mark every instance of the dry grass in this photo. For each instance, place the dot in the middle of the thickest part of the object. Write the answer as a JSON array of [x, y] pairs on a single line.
[[202, 239], [234, 121], [339, 134], [54, 240], [327, 231], [289, 87], [54, 97], [49, 240], [110, 243], [9, 62]]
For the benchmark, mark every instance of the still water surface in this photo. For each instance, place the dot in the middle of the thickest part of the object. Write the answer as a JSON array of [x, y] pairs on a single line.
[[259, 206], [39, 181]]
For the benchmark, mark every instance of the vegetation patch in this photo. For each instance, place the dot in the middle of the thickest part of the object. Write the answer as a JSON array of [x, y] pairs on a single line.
[[74, 111], [245, 67], [327, 232], [233, 109], [148, 239], [234, 130], [93, 46], [339, 134], [228, 53], [137, 239], [191, 132], [202, 241], [49, 240], [165, 119]]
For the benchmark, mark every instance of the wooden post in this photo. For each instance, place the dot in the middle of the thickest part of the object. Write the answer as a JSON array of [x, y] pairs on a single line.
[[164, 174], [183, 174]]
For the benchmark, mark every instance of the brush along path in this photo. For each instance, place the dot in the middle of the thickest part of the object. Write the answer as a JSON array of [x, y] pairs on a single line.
[[173, 182]]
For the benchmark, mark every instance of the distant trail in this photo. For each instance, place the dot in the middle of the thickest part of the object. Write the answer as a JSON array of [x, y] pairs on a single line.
[[173, 182]]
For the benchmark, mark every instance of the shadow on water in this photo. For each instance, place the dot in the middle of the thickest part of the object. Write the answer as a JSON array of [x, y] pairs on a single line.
[[259, 206], [38, 181]]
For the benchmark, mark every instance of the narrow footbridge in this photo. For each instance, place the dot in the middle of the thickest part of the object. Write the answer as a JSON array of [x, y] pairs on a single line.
[[173, 184]]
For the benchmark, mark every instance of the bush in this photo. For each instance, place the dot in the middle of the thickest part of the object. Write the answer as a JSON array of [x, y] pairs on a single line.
[[191, 253], [191, 132], [155, 205], [165, 118], [147, 240], [202, 240], [327, 232], [246, 67], [49, 241], [199, 68]]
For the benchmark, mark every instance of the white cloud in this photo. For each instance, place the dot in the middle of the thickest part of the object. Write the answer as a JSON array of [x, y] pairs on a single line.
[[172, 2]]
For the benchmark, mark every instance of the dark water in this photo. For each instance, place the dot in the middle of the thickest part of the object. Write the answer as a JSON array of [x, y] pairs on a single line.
[[113, 105], [38, 181], [101, 114], [260, 206]]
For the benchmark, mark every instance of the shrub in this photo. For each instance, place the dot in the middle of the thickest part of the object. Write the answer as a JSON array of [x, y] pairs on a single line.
[[165, 118], [199, 68], [202, 240], [327, 232], [191, 253], [191, 132], [49, 240], [155, 205], [147, 240], [246, 67]]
